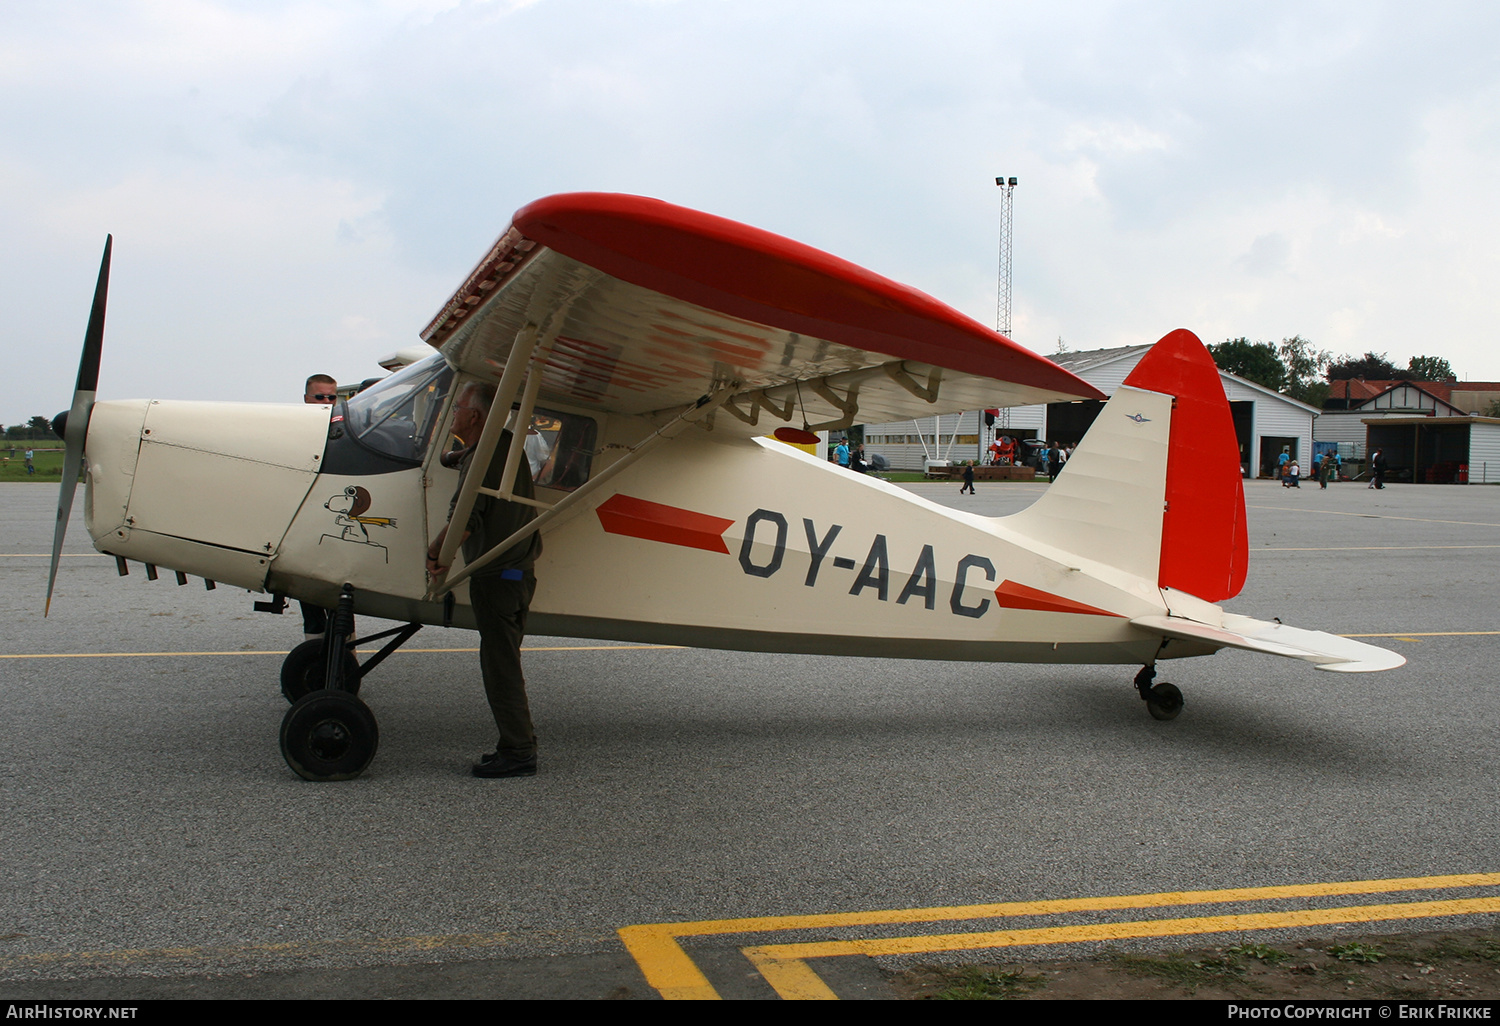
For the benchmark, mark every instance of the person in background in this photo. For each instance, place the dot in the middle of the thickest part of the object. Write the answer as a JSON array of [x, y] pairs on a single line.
[[321, 390], [538, 451]]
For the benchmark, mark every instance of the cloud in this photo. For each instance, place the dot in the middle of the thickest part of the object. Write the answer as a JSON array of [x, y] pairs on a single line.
[[1267, 255], [297, 183]]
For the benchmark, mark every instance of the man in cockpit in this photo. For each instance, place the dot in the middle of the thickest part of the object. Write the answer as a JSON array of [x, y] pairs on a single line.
[[500, 592]]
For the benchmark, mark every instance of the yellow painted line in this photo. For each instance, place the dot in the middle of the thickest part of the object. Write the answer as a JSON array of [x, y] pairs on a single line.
[[791, 977], [1373, 516], [789, 973], [669, 969], [363, 651]]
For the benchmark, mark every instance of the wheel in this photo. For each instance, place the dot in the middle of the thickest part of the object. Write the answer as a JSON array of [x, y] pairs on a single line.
[[329, 735], [1164, 702], [303, 668]]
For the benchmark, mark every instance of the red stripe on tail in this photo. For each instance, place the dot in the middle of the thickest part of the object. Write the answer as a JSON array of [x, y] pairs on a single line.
[[1204, 546]]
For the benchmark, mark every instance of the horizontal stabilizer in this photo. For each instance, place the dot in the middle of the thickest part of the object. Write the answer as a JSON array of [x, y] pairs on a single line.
[[1327, 651]]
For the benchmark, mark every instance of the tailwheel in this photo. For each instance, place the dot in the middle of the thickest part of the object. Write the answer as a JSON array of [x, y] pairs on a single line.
[[1164, 702], [329, 735], [303, 670]]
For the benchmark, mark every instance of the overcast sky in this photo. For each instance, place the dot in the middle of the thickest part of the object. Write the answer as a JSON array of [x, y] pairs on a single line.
[[296, 187]]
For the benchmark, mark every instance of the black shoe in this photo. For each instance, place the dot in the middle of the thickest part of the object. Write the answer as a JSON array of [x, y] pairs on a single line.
[[495, 765]]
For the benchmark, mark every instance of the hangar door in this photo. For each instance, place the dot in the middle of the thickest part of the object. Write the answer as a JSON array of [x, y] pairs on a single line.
[[1067, 423], [1431, 453]]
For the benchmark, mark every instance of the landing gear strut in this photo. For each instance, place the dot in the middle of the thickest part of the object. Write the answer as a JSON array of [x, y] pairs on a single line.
[[328, 733], [1163, 701]]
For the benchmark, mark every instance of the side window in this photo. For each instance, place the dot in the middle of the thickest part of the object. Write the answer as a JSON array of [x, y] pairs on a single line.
[[560, 448]]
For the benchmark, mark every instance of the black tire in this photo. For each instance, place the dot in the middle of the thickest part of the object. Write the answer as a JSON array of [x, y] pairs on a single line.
[[1164, 702], [303, 668], [329, 735]]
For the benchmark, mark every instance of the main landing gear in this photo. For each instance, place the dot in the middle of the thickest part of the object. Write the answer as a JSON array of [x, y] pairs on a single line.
[[1163, 701], [328, 733]]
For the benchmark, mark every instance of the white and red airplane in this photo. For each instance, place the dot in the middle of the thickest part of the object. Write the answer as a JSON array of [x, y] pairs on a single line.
[[652, 349]]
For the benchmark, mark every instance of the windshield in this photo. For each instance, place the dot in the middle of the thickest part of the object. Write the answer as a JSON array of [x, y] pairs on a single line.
[[396, 416]]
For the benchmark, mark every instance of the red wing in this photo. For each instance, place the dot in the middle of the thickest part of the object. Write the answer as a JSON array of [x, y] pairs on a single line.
[[663, 303]]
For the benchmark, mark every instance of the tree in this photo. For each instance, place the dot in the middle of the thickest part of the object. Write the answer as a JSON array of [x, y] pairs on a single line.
[[38, 428], [1370, 367], [1304, 365], [1430, 368], [1253, 361]]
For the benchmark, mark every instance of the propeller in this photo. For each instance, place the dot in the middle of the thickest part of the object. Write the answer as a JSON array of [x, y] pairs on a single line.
[[73, 425]]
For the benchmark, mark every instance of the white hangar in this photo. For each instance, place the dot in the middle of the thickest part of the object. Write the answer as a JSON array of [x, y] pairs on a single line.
[[1264, 421]]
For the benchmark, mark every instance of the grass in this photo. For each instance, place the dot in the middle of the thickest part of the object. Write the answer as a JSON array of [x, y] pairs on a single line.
[[975, 983], [48, 464], [1369, 954], [1182, 970], [1261, 953], [1483, 949]]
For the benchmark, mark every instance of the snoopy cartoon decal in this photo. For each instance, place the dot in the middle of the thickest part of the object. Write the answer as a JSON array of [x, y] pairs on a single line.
[[349, 507]]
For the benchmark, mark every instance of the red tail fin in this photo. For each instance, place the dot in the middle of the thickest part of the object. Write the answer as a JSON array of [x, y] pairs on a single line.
[[1204, 546]]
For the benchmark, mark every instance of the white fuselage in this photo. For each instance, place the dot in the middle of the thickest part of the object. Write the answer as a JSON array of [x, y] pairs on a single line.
[[744, 543]]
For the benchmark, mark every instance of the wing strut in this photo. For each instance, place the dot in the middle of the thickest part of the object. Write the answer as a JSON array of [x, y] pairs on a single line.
[[519, 362], [702, 408], [848, 405], [899, 371]]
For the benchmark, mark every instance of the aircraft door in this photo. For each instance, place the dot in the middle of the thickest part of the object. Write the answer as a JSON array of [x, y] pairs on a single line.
[[441, 482], [365, 521]]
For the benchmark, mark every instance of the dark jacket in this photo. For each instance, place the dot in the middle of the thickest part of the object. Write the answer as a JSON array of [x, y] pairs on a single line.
[[493, 520]]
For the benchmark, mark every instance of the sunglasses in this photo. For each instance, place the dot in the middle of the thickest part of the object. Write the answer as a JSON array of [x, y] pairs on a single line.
[[332, 397]]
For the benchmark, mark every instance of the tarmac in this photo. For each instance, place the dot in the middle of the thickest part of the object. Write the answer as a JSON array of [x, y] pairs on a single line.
[[726, 805]]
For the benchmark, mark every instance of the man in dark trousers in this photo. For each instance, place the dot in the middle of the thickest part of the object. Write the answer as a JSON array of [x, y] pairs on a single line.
[[1377, 469], [1054, 462], [968, 480], [500, 592]]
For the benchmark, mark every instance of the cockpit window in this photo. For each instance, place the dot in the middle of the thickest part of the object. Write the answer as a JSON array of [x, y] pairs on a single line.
[[561, 448], [396, 416]]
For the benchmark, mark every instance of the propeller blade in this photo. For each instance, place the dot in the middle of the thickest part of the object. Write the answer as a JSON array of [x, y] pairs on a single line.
[[76, 427]]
